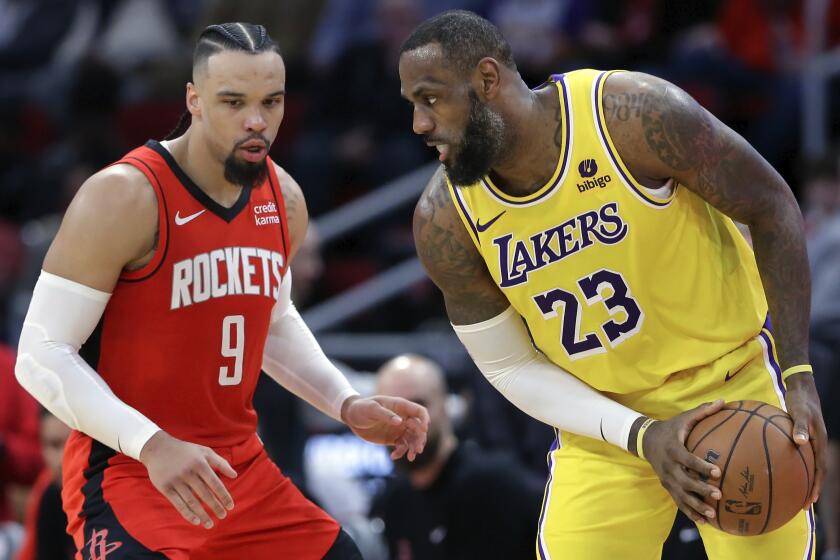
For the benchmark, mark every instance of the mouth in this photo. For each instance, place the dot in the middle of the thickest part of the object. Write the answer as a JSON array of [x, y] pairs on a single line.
[[443, 150], [253, 151]]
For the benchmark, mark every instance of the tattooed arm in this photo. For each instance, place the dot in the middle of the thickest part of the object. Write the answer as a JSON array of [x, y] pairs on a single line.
[[661, 132], [451, 259]]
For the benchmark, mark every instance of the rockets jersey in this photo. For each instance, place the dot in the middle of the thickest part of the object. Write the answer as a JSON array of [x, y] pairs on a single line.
[[617, 285], [182, 338]]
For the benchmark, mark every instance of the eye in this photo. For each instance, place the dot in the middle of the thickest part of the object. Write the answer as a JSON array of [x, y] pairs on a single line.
[[271, 102], [233, 102], [431, 99]]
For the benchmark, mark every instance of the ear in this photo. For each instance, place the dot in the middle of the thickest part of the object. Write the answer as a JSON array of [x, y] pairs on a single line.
[[488, 78], [193, 100]]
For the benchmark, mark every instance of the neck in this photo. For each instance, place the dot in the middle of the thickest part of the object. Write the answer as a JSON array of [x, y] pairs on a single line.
[[532, 141], [206, 171], [425, 477]]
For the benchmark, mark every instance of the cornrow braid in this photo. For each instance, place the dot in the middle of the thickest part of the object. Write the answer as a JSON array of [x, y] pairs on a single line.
[[236, 36], [181, 127]]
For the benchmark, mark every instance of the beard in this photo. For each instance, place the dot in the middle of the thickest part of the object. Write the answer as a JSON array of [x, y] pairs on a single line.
[[245, 173], [480, 146], [429, 456]]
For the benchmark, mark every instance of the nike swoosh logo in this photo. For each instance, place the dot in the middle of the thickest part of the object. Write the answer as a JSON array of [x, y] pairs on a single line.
[[179, 221], [730, 375], [483, 227]]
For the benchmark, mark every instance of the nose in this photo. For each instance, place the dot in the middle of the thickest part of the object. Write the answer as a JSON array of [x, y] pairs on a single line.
[[422, 123], [255, 122]]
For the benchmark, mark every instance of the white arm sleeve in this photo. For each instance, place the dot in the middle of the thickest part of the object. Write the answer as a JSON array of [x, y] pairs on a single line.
[[503, 351], [294, 359], [61, 317]]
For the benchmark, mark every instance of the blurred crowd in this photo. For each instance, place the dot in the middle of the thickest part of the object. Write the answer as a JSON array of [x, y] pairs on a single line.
[[84, 81]]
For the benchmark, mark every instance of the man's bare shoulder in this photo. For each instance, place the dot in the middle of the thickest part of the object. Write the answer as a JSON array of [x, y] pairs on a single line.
[[111, 223], [119, 191], [297, 214], [435, 206]]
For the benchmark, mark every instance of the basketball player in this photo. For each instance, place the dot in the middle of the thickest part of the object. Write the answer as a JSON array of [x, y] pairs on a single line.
[[181, 251], [581, 234]]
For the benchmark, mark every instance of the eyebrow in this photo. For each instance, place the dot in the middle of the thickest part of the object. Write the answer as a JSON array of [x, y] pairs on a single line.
[[427, 83], [226, 93]]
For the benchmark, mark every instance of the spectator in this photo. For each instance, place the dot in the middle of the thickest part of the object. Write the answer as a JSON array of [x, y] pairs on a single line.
[[454, 501], [46, 535], [20, 455]]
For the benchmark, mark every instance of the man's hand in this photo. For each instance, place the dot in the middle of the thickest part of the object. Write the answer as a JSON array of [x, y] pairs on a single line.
[[185, 472], [388, 421], [803, 405], [680, 471]]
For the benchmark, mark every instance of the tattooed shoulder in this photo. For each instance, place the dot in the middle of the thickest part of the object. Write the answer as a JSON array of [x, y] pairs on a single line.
[[297, 215], [451, 259]]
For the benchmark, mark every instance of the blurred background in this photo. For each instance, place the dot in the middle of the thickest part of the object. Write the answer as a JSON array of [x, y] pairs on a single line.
[[84, 81]]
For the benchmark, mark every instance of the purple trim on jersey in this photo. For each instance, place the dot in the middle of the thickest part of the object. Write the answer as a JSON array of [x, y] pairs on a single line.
[[466, 214], [554, 446], [610, 152], [768, 324], [811, 530], [776, 369], [559, 78]]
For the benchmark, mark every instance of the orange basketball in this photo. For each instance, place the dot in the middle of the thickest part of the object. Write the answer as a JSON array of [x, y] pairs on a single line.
[[765, 477]]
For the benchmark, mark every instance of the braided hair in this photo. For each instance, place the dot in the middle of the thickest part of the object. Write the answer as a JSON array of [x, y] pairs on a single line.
[[247, 37]]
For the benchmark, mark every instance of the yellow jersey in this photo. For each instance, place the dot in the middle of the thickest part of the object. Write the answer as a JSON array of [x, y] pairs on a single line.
[[616, 284]]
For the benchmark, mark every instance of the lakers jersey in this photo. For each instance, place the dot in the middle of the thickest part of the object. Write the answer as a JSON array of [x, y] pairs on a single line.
[[617, 285]]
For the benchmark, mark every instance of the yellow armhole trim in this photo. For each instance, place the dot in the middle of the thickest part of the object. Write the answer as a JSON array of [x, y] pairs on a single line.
[[462, 209], [612, 152]]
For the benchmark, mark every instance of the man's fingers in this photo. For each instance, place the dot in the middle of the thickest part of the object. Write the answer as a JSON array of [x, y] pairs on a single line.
[[193, 504], [407, 409], [694, 463], [693, 485], [201, 489], [218, 463], [801, 434], [702, 411], [208, 476], [414, 424], [695, 508], [399, 451], [415, 435], [175, 499], [820, 461]]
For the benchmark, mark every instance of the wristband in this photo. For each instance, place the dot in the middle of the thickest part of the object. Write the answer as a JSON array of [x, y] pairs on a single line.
[[640, 437], [804, 368]]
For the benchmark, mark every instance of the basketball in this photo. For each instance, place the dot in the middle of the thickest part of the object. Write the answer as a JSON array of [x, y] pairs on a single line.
[[765, 477]]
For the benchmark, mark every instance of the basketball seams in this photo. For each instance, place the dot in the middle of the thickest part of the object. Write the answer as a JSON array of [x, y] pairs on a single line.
[[769, 475], [722, 422], [728, 460]]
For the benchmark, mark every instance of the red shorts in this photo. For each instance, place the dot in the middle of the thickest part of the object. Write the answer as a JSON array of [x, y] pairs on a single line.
[[115, 513]]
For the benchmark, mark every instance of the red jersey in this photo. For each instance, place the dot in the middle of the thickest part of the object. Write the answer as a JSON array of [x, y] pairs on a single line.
[[182, 338]]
